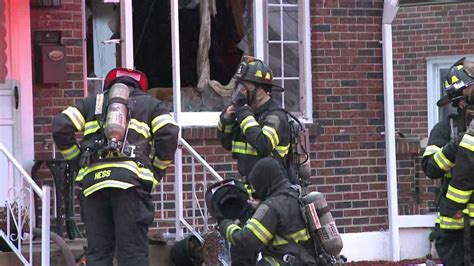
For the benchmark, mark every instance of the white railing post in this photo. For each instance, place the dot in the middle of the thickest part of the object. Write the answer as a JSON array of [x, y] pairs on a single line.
[[45, 230]]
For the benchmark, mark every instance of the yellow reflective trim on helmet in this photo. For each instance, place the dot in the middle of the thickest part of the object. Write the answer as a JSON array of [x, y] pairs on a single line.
[[106, 184], [268, 76], [259, 74], [459, 67], [454, 79]]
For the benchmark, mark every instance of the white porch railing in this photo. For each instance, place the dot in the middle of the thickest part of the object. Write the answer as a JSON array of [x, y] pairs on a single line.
[[189, 205], [20, 211]]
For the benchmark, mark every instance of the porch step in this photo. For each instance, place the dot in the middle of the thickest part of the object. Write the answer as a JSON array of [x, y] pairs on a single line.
[[159, 254]]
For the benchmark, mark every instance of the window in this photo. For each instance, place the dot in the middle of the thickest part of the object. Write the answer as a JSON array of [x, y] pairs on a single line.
[[436, 69], [277, 31]]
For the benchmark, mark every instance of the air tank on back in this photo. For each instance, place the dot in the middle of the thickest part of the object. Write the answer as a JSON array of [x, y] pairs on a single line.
[[116, 120], [322, 223]]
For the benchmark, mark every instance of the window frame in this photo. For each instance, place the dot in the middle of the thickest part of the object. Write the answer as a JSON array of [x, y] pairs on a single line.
[[433, 81], [204, 119]]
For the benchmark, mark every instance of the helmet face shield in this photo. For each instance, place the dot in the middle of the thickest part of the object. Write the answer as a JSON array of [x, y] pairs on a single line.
[[121, 73]]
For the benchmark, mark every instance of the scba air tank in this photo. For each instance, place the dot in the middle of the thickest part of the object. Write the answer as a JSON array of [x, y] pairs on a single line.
[[321, 222], [116, 121]]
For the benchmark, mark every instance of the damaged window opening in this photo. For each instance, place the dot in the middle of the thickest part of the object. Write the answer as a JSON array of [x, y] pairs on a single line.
[[214, 35]]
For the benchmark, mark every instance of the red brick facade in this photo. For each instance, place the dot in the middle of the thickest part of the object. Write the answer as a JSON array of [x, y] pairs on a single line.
[[347, 148]]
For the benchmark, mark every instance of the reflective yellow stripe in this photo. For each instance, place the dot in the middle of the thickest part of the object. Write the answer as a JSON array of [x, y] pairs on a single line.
[[283, 150], [450, 223], [230, 231], [224, 128], [91, 127], [248, 122], [259, 231], [272, 261], [141, 172], [140, 128], [432, 149], [457, 195], [467, 142], [470, 209], [76, 117], [444, 163], [272, 134], [301, 235], [161, 164], [106, 184], [71, 153], [243, 148], [160, 121]]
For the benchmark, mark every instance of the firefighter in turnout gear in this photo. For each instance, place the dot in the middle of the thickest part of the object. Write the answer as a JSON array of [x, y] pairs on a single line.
[[254, 126], [441, 152], [117, 168], [457, 207], [277, 229]]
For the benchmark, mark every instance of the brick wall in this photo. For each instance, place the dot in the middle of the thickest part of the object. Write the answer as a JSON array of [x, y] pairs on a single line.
[[419, 33], [49, 100], [348, 157]]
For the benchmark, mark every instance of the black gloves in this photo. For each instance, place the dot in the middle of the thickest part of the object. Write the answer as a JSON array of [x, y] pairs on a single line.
[[243, 112], [223, 226], [227, 118]]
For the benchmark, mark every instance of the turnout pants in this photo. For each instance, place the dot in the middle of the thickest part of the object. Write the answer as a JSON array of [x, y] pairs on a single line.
[[450, 246], [117, 222]]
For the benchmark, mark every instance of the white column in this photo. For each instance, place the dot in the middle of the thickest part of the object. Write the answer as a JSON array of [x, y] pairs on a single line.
[[177, 116], [258, 31], [390, 10], [126, 33]]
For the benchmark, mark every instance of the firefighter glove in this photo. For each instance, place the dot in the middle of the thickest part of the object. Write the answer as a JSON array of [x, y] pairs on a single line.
[[227, 116], [223, 227], [243, 112]]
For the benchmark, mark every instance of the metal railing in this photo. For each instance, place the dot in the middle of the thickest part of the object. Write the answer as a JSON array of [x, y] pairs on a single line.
[[20, 211], [192, 176]]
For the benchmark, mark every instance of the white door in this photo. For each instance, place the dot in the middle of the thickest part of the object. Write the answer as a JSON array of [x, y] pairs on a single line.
[[16, 107]]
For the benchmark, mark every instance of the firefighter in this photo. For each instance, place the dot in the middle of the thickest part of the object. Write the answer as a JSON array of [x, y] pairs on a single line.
[[277, 229], [457, 207], [117, 169], [253, 126], [440, 154]]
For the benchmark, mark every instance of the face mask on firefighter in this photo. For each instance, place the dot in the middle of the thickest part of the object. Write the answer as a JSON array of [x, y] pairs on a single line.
[[243, 94]]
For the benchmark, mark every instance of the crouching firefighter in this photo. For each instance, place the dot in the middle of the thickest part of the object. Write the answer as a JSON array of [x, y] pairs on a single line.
[[117, 168], [278, 228]]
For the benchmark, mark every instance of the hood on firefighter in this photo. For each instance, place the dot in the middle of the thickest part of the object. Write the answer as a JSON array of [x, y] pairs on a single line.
[[267, 177]]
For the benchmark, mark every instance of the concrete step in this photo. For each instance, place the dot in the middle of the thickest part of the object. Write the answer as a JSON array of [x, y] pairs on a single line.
[[159, 254]]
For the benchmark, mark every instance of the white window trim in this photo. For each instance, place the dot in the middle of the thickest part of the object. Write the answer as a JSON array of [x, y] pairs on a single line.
[[433, 64], [210, 119]]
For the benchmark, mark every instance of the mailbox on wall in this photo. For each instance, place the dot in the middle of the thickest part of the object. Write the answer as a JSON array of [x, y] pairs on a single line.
[[50, 57]]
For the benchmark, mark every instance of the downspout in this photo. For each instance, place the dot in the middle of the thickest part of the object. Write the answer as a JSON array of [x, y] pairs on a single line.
[[390, 9], [177, 116]]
